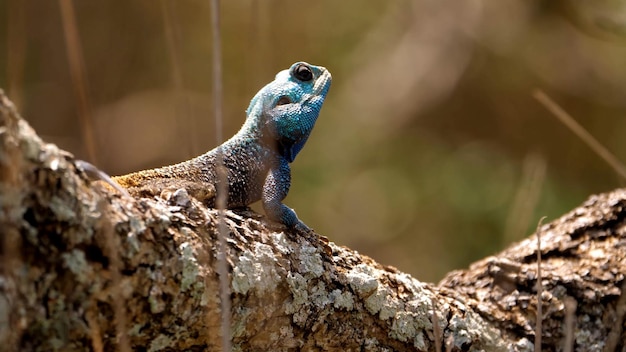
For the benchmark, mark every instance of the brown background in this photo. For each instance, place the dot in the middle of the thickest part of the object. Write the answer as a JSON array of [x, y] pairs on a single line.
[[430, 151]]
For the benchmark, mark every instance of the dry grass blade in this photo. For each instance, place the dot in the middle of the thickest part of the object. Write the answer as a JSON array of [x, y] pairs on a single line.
[[119, 304], [172, 47], [79, 77], [580, 131], [533, 177], [184, 117], [613, 340], [222, 181], [436, 327], [449, 343], [570, 320], [15, 55], [12, 179], [538, 326], [94, 330]]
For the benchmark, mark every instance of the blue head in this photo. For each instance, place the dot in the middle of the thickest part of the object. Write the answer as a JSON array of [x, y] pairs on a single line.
[[285, 110]]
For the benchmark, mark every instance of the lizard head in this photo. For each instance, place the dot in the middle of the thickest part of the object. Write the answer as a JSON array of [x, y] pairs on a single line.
[[285, 110]]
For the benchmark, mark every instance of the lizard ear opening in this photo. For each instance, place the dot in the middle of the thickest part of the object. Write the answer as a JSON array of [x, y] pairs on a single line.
[[283, 100]]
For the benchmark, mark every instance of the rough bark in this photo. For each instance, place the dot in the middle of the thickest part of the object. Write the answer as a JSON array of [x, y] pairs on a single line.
[[84, 268]]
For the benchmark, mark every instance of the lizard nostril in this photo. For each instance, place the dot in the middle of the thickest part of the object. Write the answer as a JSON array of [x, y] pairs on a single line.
[[303, 73], [283, 100]]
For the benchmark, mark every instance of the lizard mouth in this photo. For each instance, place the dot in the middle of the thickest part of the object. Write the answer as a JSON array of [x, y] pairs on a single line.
[[322, 83]]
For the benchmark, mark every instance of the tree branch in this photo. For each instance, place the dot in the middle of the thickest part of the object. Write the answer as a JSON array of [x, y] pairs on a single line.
[[84, 268]]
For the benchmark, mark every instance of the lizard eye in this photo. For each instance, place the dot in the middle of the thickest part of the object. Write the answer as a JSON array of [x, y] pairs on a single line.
[[283, 101], [303, 73]]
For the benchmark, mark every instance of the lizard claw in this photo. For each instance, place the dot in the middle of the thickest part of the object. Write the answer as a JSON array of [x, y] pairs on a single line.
[[179, 197], [96, 174], [305, 231]]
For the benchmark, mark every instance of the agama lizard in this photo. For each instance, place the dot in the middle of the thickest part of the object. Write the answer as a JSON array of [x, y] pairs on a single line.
[[279, 120]]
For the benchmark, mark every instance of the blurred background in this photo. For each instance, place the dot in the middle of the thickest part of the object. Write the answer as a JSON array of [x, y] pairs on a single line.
[[430, 151]]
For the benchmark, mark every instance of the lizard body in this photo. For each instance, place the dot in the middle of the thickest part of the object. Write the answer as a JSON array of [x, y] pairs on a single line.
[[279, 120]]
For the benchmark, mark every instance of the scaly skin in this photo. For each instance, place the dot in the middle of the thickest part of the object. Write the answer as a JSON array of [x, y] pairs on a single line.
[[279, 121]]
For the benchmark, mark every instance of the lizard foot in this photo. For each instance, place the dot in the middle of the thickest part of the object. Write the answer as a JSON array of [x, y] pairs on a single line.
[[303, 229], [179, 197]]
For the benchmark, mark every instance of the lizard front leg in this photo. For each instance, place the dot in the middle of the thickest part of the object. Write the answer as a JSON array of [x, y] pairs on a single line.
[[275, 189]]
